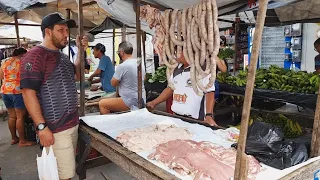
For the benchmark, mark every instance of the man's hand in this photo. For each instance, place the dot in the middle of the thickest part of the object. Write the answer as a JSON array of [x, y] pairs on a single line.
[[210, 121], [151, 105], [90, 78], [84, 42], [46, 137]]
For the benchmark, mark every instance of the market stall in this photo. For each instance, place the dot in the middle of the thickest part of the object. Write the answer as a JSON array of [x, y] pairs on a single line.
[[107, 134], [104, 133]]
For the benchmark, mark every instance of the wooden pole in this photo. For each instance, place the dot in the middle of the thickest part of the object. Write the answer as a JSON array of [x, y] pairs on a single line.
[[236, 45], [113, 47], [241, 167], [144, 37], [69, 38], [81, 51], [315, 142], [17, 28], [138, 36], [19, 24], [124, 33]]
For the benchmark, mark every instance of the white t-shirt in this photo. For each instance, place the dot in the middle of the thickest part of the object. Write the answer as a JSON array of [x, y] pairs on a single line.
[[185, 101]]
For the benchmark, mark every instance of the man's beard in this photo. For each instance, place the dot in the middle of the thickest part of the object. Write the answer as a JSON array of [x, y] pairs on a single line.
[[58, 44], [120, 57]]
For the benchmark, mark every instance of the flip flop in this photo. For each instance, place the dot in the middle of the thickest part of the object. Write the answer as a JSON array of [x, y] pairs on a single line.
[[14, 142]]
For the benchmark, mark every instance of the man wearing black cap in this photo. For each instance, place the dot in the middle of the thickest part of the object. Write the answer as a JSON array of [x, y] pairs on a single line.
[[49, 91], [105, 69]]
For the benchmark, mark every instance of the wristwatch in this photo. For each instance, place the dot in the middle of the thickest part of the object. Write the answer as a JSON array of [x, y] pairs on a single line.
[[41, 126], [209, 114]]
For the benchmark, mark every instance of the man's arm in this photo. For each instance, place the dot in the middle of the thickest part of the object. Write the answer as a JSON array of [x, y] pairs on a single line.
[[33, 106], [210, 101], [1, 73], [221, 65], [96, 73], [83, 44], [166, 94], [114, 82]]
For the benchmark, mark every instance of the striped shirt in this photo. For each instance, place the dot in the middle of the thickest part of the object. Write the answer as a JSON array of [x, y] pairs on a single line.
[[52, 75]]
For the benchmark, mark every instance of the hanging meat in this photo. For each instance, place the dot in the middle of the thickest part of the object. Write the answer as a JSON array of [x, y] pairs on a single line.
[[195, 33], [155, 20]]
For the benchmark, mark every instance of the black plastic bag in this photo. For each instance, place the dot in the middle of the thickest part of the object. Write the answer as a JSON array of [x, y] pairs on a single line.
[[266, 143]]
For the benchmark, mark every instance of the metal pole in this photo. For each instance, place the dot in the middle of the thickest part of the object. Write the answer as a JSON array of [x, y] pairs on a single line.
[[69, 38], [241, 162], [113, 47], [144, 37], [236, 46], [138, 36], [17, 28], [81, 51], [315, 142]]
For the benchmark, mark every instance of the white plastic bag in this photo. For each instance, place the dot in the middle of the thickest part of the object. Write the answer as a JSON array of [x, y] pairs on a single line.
[[47, 165]]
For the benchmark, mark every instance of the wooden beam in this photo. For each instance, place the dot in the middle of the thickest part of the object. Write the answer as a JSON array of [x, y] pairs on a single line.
[[305, 172], [69, 36], [17, 28], [19, 24], [241, 168], [315, 142], [239, 2], [81, 56], [236, 45], [96, 162], [138, 37], [157, 6], [224, 20], [89, 3]]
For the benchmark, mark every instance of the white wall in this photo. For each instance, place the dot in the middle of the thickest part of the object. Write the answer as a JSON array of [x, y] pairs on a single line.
[[308, 52]]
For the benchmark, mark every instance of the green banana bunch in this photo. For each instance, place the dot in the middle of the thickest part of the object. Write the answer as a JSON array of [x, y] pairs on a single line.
[[276, 78]]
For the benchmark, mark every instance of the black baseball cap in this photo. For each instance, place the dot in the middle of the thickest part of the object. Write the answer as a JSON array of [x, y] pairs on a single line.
[[56, 18]]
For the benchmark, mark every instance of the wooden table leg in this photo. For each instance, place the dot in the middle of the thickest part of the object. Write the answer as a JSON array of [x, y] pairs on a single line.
[[84, 151]]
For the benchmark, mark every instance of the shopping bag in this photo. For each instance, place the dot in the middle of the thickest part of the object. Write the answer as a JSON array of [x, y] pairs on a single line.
[[47, 165]]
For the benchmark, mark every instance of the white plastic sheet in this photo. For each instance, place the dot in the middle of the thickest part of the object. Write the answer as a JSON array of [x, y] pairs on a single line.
[[47, 165]]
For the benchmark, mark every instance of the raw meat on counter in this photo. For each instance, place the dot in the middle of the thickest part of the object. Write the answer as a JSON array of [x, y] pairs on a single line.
[[147, 138], [203, 160]]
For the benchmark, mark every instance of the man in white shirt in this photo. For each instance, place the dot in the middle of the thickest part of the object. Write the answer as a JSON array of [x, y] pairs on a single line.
[[185, 101], [126, 79]]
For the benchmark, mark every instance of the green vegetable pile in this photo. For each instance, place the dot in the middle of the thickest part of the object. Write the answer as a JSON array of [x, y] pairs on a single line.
[[159, 75], [290, 128], [276, 78], [226, 53]]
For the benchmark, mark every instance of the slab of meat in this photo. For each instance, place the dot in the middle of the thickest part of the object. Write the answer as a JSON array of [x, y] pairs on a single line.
[[155, 20], [203, 160], [146, 139]]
